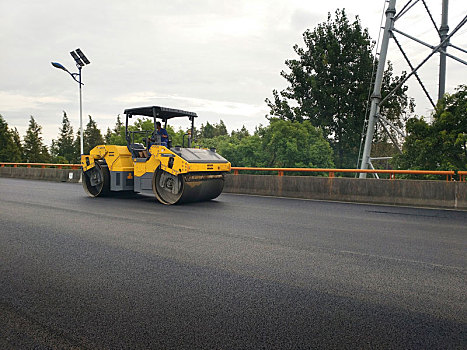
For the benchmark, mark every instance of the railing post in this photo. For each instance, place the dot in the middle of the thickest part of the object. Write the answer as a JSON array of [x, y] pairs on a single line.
[[15, 165], [29, 165], [280, 173], [43, 166], [331, 174], [235, 172]]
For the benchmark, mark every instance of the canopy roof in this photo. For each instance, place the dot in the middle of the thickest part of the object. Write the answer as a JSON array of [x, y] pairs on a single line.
[[159, 112]]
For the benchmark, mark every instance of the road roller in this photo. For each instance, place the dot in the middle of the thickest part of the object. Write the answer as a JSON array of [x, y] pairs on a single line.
[[174, 174]]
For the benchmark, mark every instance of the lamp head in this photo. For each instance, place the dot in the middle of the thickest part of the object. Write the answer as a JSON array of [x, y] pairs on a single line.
[[59, 66]]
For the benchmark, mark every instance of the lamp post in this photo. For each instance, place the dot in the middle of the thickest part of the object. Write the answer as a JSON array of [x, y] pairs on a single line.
[[81, 60]]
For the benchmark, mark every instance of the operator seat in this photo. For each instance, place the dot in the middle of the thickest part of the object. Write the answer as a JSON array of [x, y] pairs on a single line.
[[137, 150]]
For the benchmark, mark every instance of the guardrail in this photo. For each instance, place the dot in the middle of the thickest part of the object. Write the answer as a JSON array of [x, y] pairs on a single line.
[[280, 171], [42, 165], [331, 172]]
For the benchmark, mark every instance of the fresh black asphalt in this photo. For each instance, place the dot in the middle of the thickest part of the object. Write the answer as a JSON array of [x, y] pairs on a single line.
[[239, 272]]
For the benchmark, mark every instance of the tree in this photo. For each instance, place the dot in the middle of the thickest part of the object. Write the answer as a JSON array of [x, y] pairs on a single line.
[[34, 150], [17, 151], [118, 125], [280, 144], [92, 136], [62, 149], [177, 137], [10, 148], [220, 129], [6, 141], [240, 133], [116, 136], [206, 131], [294, 144], [397, 109], [108, 136], [209, 131], [329, 82], [247, 151], [141, 124], [441, 145]]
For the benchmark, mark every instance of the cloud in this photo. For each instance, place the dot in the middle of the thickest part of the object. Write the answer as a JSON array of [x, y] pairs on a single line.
[[302, 20], [219, 59], [11, 102], [195, 104]]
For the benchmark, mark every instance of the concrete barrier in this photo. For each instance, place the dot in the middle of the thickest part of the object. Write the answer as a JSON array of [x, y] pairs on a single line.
[[49, 174], [424, 193], [438, 194]]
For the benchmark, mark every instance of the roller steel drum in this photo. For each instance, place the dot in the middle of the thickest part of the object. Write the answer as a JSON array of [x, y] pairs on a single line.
[[96, 181], [194, 187]]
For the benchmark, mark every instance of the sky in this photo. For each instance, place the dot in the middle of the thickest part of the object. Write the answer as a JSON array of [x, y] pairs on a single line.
[[220, 59]]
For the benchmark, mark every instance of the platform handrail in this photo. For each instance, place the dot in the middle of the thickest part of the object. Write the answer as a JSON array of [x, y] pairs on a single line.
[[280, 171]]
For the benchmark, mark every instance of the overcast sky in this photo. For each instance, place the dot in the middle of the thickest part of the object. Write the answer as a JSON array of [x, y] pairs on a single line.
[[220, 59]]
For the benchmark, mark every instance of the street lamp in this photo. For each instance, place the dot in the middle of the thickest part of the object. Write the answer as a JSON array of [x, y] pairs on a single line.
[[81, 60]]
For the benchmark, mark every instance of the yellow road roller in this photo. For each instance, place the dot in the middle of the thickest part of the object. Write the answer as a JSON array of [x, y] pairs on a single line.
[[173, 174]]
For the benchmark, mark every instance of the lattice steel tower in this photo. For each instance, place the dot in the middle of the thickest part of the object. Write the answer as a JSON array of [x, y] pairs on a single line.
[[390, 32]]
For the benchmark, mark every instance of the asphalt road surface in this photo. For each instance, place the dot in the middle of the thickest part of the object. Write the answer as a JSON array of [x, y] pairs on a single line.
[[239, 272]]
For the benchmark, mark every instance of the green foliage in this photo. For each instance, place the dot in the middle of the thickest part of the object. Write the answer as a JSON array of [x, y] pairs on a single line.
[[108, 136], [329, 82], [281, 144], [141, 124], [117, 135], [63, 150], [177, 136], [34, 150], [441, 145], [293, 144], [209, 131], [17, 150], [10, 144], [240, 152], [6, 140], [243, 132], [61, 160], [92, 136], [397, 108]]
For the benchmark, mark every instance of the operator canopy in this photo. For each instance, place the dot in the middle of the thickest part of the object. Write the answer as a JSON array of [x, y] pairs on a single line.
[[163, 113]]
